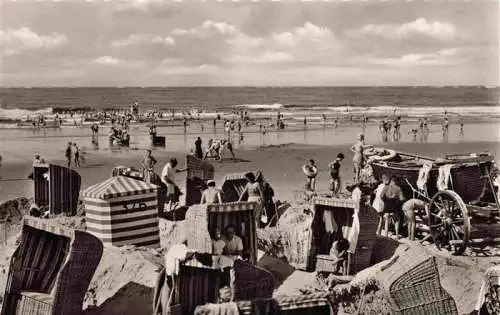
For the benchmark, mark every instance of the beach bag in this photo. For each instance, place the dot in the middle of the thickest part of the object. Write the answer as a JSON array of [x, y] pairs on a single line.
[[263, 216]]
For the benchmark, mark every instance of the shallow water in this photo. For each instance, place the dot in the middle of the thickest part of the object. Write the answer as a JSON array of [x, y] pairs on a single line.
[[18, 144]]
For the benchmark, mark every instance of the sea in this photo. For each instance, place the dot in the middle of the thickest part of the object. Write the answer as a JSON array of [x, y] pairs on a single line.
[[293, 102], [477, 107]]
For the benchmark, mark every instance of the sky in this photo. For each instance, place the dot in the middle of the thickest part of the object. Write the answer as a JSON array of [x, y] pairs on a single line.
[[264, 43]]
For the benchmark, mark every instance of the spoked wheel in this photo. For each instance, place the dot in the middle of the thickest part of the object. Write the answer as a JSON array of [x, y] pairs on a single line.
[[449, 221]]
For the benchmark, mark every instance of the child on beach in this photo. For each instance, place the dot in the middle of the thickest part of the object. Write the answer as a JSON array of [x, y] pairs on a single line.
[[334, 167], [310, 170], [339, 252]]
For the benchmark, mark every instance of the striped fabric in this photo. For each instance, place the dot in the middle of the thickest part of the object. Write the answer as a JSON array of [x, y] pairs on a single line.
[[197, 286], [119, 186], [335, 202], [37, 260], [124, 220], [304, 304], [233, 186], [60, 192]]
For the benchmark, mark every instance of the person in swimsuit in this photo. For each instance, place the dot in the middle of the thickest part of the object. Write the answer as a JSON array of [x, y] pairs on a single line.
[[359, 158], [147, 163], [310, 170], [334, 167], [254, 191], [393, 197], [409, 209], [211, 195]]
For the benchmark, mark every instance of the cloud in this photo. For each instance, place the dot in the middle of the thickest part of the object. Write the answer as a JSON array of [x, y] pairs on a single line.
[[308, 32], [23, 39], [207, 28], [444, 57], [143, 39], [264, 58], [420, 27], [115, 62]]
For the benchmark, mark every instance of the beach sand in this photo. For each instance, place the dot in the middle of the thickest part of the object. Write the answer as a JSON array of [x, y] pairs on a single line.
[[280, 164]]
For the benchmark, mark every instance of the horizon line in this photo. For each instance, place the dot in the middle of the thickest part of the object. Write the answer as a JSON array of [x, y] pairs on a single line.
[[241, 86]]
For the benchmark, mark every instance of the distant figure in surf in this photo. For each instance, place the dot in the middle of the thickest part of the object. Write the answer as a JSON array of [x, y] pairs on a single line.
[[461, 128]]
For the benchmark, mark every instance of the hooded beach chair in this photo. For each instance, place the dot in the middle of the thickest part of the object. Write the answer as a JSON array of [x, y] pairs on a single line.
[[50, 270]]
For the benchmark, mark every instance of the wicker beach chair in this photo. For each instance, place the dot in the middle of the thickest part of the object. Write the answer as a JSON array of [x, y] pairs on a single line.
[[414, 287], [310, 304], [199, 285], [233, 186], [202, 220], [51, 269], [56, 188], [359, 256], [489, 295]]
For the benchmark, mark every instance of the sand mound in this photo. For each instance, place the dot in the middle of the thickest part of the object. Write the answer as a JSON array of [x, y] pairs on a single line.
[[124, 282]]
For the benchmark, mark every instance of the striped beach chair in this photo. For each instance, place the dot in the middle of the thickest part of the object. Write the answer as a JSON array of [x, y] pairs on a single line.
[[50, 270]]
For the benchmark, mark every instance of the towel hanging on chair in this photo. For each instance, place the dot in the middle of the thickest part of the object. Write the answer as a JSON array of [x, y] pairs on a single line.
[[331, 225], [423, 176], [444, 177]]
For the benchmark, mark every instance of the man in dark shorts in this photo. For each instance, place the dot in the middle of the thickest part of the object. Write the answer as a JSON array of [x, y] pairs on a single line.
[[68, 154], [334, 167], [393, 198]]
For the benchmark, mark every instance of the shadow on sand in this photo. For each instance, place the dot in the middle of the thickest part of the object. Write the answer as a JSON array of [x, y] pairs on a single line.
[[133, 298]]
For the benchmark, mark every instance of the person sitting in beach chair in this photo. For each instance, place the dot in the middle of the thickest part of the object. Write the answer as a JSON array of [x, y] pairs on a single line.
[[409, 208], [218, 244], [234, 244], [338, 252], [311, 171]]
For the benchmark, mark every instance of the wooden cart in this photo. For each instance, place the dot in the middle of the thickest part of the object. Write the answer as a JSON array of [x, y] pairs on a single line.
[[454, 213]]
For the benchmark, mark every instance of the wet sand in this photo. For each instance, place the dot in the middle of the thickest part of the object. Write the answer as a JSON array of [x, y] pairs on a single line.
[[280, 164]]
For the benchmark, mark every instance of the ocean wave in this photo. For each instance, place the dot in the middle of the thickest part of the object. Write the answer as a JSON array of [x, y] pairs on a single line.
[[274, 106], [16, 114]]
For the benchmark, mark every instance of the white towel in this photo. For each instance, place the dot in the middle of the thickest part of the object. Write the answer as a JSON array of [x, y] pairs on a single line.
[[423, 175], [444, 177], [354, 231], [378, 203]]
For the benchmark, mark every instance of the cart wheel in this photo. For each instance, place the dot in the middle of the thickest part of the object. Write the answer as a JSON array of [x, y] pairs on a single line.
[[449, 221]]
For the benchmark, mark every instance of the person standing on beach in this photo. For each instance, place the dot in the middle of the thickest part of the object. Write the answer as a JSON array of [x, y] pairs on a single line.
[[461, 128], [68, 154], [311, 171], [254, 191], [198, 150], [359, 157], [445, 127], [168, 178], [147, 163], [393, 197], [334, 167], [409, 209], [76, 154], [397, 126]]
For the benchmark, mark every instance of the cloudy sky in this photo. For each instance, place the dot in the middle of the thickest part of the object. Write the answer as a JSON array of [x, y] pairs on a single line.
[[166, 43]]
